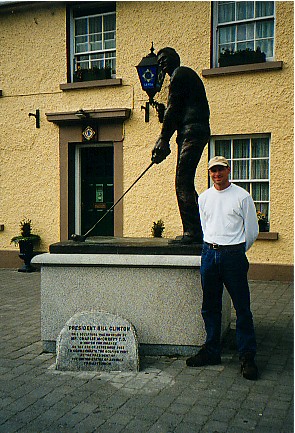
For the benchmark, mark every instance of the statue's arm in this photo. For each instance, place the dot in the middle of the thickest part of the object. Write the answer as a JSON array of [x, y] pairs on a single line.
[[173, 112]]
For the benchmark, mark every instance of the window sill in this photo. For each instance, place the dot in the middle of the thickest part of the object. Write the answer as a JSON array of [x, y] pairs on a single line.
[[90, 84], [254, 67], [269, 236]]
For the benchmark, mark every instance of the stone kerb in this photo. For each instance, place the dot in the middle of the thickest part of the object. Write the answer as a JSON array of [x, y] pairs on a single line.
[[97, 341]]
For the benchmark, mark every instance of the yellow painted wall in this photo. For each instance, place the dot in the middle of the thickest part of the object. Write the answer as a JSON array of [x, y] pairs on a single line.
[[33, 64]]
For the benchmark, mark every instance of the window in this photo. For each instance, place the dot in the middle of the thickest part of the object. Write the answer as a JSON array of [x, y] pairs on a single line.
[[244, 25], [249, 160], [93, 42]]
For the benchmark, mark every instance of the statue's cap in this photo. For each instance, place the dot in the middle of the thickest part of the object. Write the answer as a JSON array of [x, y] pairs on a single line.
[[218, 160]]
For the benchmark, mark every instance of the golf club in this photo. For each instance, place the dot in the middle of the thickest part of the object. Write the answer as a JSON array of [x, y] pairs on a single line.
[[81, 238]]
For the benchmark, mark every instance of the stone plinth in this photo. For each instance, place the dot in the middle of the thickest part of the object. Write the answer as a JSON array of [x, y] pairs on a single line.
[[160, 294]]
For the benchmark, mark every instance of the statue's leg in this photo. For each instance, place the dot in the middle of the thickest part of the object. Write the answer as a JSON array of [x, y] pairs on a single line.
[[189, 155]]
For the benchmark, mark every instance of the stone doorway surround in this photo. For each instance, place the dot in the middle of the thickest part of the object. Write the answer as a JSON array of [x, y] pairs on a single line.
[[109, 127]]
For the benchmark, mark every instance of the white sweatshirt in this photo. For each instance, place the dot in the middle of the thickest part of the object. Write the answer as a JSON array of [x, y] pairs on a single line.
[[228, 217]]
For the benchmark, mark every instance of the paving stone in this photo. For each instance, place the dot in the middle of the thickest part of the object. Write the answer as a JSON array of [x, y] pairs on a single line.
[[10, 426], [187, 428], [196, 419], [109, 427], [214, 427], [179, 409]]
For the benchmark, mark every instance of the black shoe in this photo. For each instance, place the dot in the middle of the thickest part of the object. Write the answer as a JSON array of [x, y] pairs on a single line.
[[249, 369], [203, 357], [186, 239]]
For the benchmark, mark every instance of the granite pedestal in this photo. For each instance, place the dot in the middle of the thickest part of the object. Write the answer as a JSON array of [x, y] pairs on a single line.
[[153, 284]]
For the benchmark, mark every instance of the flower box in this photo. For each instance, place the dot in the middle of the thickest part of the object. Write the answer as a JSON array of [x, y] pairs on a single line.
[[241, 57], [92, 74]]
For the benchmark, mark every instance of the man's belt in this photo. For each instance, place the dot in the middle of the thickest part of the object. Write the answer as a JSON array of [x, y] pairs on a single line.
[[226, 247]]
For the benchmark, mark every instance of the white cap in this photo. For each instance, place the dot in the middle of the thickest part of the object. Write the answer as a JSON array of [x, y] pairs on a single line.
[[218, 160]]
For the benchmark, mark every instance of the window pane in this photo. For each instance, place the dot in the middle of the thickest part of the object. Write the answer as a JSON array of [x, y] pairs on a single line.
[[230, 47], [82, 62], [241, 148], [109, 44], [227, 34], [110, 61], [81, 44], [81, 26], [97, 61], [260, 191], [110, 36], [222, 148], [266, 46], [264, 29], [95, 42], [245, 32], [95, 24], [241, 36], [245, 45], [241, 169], [264, 9], [245, 10], [109, 23], [259, 169], [260, 148], [244, 185], [226, 12], [264, 36]]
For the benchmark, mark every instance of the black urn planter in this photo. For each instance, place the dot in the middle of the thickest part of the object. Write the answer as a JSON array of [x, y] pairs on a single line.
[[26, 249], [263, 226]]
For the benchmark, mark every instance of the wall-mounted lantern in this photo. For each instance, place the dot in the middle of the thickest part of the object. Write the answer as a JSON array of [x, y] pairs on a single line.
[[151, 79], [37, 117]]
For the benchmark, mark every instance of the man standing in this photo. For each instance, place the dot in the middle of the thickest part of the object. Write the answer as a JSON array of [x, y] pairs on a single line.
[[187, 113], [230, 227]]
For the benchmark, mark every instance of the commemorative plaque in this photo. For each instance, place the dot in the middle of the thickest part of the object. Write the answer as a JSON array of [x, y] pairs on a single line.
[[97, 341]]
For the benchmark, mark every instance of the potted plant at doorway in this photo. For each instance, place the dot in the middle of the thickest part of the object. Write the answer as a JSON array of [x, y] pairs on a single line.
[[158, 228], [262, 222], [26, 241]]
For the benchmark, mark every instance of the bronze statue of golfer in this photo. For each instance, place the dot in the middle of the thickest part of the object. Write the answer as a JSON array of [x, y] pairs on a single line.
[[187, 113]]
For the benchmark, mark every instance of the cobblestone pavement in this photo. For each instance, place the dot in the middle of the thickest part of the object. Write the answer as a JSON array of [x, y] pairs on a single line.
[[164, 397]]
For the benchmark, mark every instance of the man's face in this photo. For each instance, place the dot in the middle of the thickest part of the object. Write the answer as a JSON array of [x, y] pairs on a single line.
[[166, 63], [220, 175]]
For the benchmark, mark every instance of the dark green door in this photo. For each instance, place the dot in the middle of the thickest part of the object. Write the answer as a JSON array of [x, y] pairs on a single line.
[[97, 189]]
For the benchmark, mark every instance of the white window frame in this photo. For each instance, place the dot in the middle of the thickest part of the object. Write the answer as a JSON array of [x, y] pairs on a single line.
[[259, 204], [89, 53], [254, 20]]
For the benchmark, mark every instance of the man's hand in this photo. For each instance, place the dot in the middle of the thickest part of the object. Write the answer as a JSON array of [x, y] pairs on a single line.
[[160, 151]]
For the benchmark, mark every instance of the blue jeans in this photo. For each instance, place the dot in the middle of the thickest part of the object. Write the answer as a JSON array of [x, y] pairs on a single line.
[[227, 267]]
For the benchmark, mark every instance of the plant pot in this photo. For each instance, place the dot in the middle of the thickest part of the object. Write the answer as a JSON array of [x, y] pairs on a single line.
[[157, 233], [263, 226], [26, 249]]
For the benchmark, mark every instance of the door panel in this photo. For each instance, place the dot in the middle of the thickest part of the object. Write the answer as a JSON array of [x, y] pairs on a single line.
[[97, 189]]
